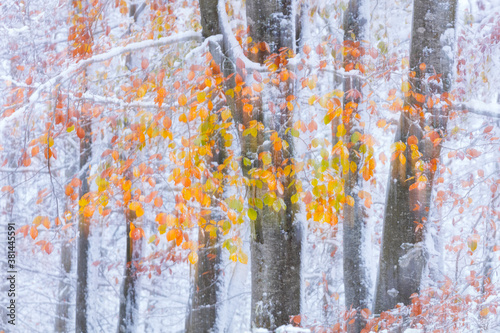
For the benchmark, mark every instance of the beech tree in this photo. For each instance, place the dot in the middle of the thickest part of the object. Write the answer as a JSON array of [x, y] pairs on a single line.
[[356, 280], [415, 153]]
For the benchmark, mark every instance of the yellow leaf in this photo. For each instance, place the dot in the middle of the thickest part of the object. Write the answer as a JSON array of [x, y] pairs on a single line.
[[193, 257], [133, 205], [266, 158], [349, 200], [139, 211], [225, 114], [341, 130], [243, 258], [405, 87], [311, 100], [127, 185], [353, 167], [152, 239], [200, 97], [142, 91], [182, 100], [484, 312], [252, 214], [402, 158]]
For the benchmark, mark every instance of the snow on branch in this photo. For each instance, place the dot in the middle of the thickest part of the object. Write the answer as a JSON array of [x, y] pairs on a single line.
[[234, 49], [79, 66], [491, 110]]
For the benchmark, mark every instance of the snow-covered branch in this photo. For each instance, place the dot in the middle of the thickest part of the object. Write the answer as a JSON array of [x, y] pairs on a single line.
[[234, 49], [79, 66], [491, 110]]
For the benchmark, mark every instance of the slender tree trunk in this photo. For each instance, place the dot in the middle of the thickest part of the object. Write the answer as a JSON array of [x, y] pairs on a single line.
[[83, 229], [62, 310], [203, 310], [410, 184], [356, 281], [127, 317], [203, 313], [276, 237], [64, 293]]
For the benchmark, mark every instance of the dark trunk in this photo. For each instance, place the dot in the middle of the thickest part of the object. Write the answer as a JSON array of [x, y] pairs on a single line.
[[276, 237], [356, 281], [408, 203], [203, 309], [83, 229], [127, 317]]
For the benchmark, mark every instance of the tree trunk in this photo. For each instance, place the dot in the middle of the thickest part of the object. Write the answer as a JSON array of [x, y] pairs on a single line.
[[203, 310], [410, 184], [64, 294], [356, 280], [276, 237], [127, 317], [83, 229]]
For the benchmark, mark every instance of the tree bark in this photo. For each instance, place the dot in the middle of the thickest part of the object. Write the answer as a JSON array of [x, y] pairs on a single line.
[[83, 229], [276, 237], [127, 317], [356, 281], [64, 293], [202, 315], [408, 202]]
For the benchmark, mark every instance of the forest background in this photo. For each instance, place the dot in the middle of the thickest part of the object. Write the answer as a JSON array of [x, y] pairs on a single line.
[[197, 166]]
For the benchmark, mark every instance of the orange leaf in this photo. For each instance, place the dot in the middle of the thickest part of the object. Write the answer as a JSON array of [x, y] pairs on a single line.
[[182, 100], [80, 132], [68, 190], [33, 232], [35, 150], [75, 182], [8, 188], [171, 234], [144, 63], [381, 123], [46, 222], [402, 159], [48, 248], [167, 122], [484, 312], [312, 126], [67, 226], [248, 107], [152, 182], [88, 211], [473, 152], [412, 140], [430, 103], [158, 202]]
